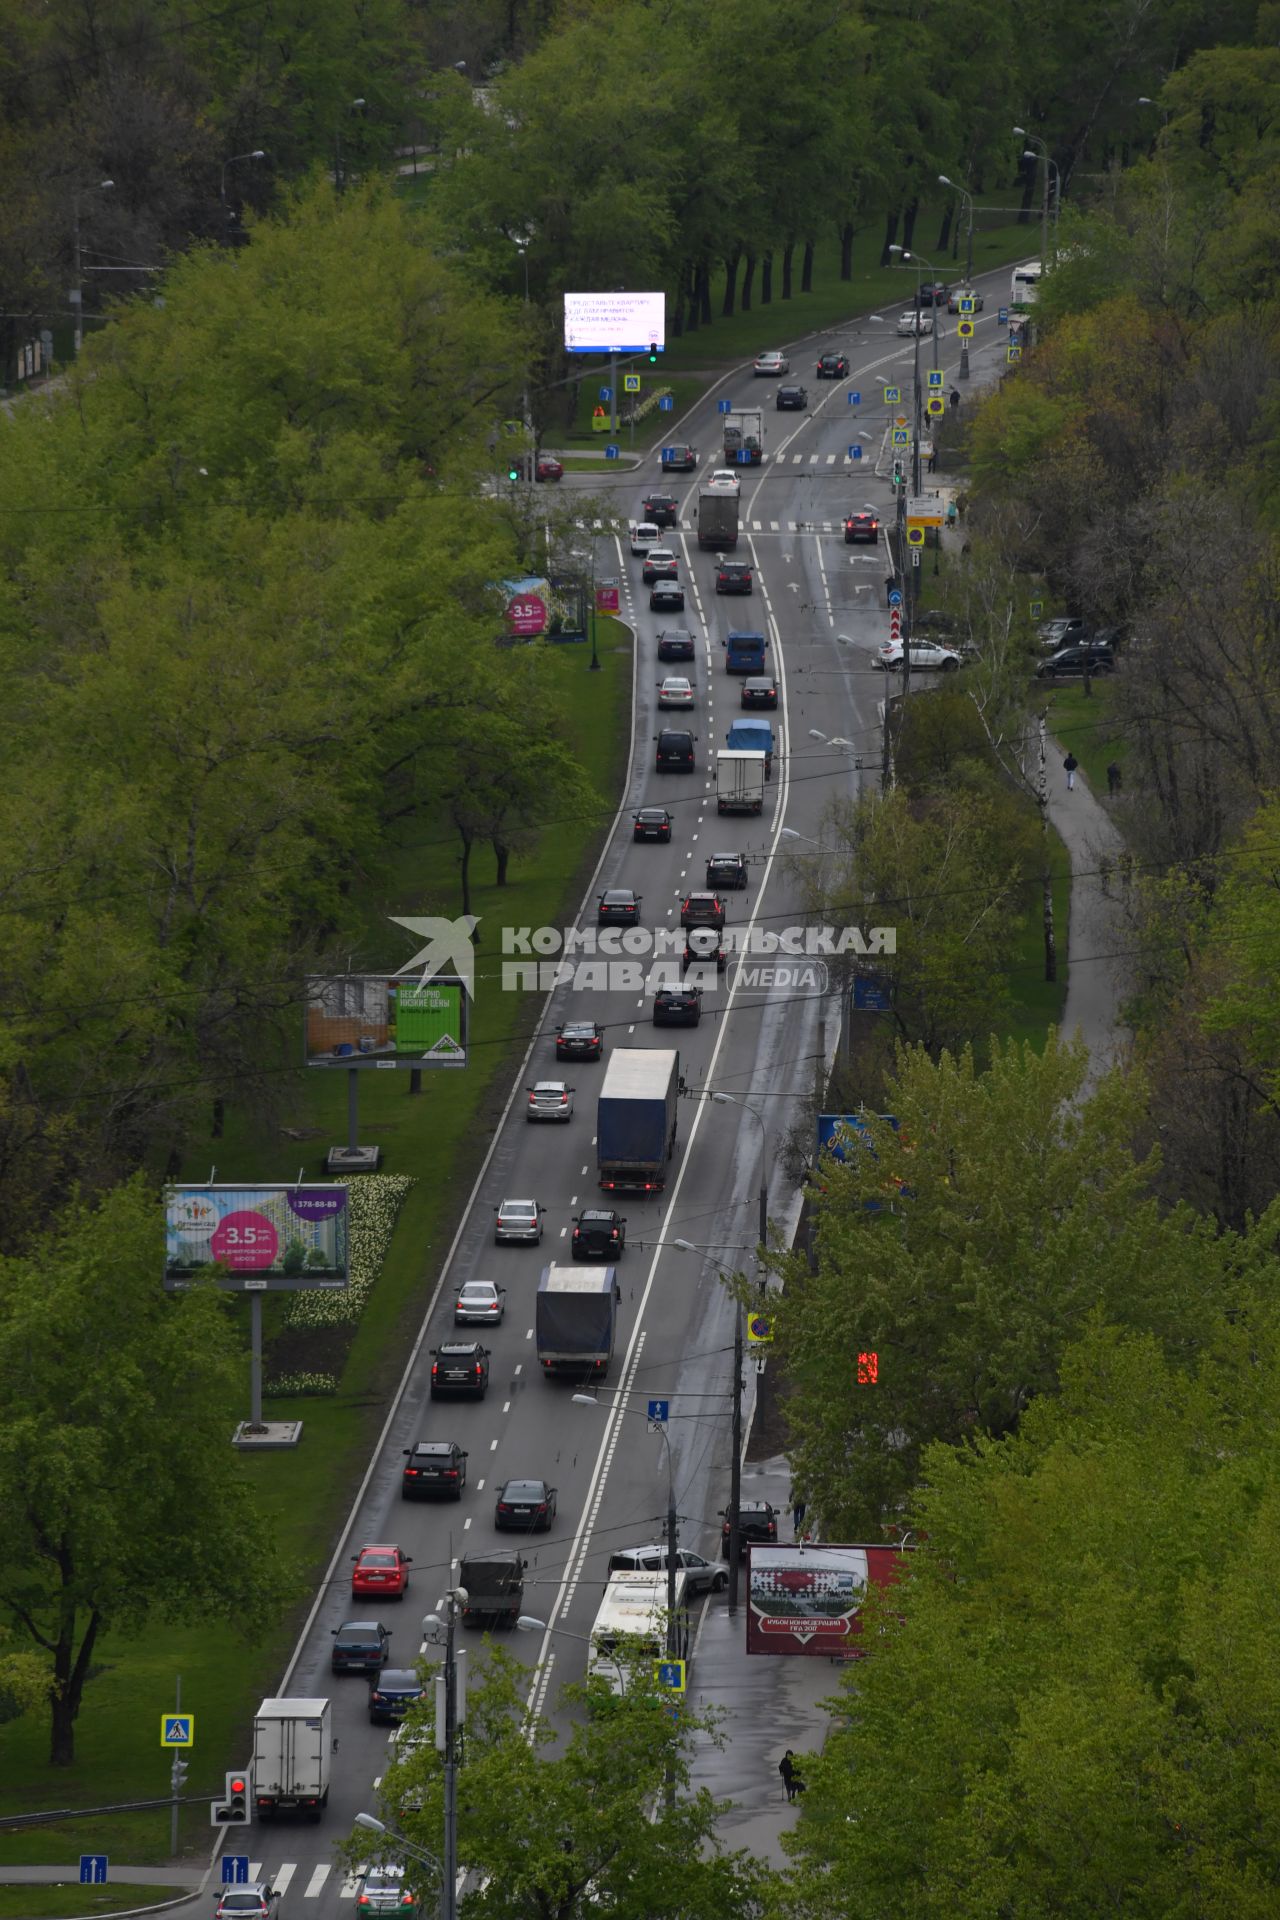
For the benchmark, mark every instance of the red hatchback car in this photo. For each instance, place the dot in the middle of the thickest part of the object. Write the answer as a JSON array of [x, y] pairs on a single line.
[[380, 1572]]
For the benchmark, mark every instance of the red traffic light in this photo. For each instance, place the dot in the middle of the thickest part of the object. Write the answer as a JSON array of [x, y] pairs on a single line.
[[235, 1784]]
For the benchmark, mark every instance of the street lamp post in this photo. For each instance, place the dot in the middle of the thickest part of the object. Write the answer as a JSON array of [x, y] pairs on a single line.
[[967, 198], [255, 153], [368, 1821], [1040, 147], [452, 1685]]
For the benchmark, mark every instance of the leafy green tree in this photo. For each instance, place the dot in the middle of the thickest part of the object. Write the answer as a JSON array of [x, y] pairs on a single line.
[[560, 1836], [966, 1248], [121, 1500]]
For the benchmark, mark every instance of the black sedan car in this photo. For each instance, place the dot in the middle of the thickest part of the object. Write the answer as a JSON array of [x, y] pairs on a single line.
[[360, 1646], [833, 366], [760, 691], [794, 399], [861, 526], [392, 1694], [726, 870], [661, 509], [651, 823], [598, 1234], [460, 1366], [666, 596], [618, 907], [579, 1040], [675, 643], [734, 576], [434, 1470], [528, 1505], [677, 1006]]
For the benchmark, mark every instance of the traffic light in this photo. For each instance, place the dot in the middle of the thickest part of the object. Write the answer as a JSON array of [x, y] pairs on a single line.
[[513, 469], [897, 473], [177, 1774], [653, 353], [236, 1807]]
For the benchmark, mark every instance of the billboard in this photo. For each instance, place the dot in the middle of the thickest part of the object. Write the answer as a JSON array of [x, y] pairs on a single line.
[[549, 608], [386, 1020], [806, 1600], [615, 322], [257, 1239]]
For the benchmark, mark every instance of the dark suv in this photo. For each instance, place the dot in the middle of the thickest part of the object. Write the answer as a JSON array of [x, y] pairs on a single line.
[[677, 1006], [434, 1469], [726, 870], [833, 366], [734, 576], [598, 1234], [460, 1366], [661, 509], [675, 751], [757, 1524], [702, 909]]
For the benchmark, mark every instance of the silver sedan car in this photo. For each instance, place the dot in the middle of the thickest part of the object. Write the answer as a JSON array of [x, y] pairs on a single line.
[[772, 362], [550, 1100], [520, 1221], [480, 1301]]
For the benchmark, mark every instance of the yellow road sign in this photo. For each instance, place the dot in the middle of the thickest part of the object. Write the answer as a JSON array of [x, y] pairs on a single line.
[[1013, 353], [936, 405], [915, 536], [759, 1329], [965, 329], [924, 513]]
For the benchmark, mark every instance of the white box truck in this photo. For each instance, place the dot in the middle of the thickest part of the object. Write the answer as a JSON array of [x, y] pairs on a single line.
[[292, 1754], [740, 777]]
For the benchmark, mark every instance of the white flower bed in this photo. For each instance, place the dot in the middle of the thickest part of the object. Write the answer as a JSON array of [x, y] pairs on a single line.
[[293, 1386], [374, 1201]]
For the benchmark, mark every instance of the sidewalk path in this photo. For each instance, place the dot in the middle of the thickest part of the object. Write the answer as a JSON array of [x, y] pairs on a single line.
[[1096, 933]]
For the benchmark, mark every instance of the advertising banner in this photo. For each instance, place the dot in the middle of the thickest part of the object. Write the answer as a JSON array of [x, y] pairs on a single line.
[[257, 1238], [615, 322], [807, 1600], [383, 1020]]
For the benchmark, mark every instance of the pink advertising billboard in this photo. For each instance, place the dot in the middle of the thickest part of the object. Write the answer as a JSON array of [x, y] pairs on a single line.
[[808, 1599]]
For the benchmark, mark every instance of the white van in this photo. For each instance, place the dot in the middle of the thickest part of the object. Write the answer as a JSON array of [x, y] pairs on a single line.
[[633, 1618]]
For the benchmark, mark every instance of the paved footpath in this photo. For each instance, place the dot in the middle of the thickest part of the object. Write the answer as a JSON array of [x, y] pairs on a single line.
[[1096, 934]]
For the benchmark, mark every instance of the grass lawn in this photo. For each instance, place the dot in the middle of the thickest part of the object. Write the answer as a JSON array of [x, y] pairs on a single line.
[[1036, 1005], [62, 1898], [1088, 728], [439, 1136]]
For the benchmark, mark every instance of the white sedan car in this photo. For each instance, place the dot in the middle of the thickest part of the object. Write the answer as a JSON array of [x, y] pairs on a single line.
[[911, 322], [724, 480], [772, 362], [926, 657], [675, 691]]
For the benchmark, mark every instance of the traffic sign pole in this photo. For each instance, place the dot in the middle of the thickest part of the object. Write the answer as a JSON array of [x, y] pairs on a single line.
[[735, 1463]]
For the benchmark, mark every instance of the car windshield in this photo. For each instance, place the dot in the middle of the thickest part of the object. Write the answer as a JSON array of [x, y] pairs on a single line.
[[479, 1290], [594, 1218], [523, 1490], [379, 1559]]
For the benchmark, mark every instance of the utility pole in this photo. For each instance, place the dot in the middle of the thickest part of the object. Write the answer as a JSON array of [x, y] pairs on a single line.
[[735, 1462], [451, 1712], [177, 1775]]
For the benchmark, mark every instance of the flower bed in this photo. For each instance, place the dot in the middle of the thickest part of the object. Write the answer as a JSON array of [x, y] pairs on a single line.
[[374, 1201], [297, 1386]]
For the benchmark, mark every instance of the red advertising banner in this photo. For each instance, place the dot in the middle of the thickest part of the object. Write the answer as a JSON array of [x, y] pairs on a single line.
[[606, 596], [807, 1600]]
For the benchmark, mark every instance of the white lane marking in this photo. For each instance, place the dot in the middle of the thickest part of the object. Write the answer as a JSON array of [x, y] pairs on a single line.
[[349, 1887], [318, 1877], [520, 1368], [493, 1446], [466, 1524]]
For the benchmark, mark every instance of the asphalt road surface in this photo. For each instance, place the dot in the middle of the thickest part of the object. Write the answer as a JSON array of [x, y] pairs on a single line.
[[759, 1042]]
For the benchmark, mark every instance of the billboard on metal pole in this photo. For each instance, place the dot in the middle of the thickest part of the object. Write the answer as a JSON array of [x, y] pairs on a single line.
[[615, 322], [808, 1599], [255, 1239], [386, 1020]]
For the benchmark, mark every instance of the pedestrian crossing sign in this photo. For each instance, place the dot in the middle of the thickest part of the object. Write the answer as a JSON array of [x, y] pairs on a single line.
[[631, 383], [177, 1729], [892, 395]]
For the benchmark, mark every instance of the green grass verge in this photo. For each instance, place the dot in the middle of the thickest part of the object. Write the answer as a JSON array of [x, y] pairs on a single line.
[[1087, 726], [1035, 1003], [441, 1137], [63, 1899]]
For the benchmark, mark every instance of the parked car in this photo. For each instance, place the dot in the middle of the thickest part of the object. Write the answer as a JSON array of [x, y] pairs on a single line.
[[701, 1575], [360, 1646], [793, 399], [675, 643], [460, 1366], [579, 1040], [599, 1233], [677, 1006], [392, 1694], [1072, 663], [926, 657], [651, 823], [726, 870], [519, 1222], [380, 1573], [549, 1100], [861, 526], [1066, 630], [761, 690], [618, 907], [734, 576], [757, 1524], [833, 365], [772, 362], [666, 596], [434, 1470], [529, 1505], [675, 691], [479, 1300]]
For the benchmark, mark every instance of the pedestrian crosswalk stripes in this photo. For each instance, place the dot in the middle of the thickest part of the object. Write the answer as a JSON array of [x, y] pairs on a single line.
[[280, 1877]]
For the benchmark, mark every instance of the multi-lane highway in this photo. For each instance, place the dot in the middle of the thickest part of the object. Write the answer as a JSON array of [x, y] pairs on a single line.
[[759, 1041]]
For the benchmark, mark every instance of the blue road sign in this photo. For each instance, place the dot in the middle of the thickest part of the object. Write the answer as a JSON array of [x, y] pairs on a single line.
[[606, 393], [666, 403], [93, 1869], [723, 406], [895, 597], [670, 1674], [611, 453], [177, 1730], [235, 1869], [658, 1409], [892, 395], [855, 398], [1004, 316], [871, 994], [744, 456], [855, 453]]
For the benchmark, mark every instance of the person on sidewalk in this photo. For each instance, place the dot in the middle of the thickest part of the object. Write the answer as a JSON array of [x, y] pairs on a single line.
[[790, 1778], [1071, 763], [797, 1515], [1115, 778], [955, 399]]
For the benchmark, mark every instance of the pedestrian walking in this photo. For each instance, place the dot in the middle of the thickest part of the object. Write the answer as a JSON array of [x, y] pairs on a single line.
[[797, 1514], [1115, 778], [790, 1778], [1071, 763], [953, 513], [955, 399]]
